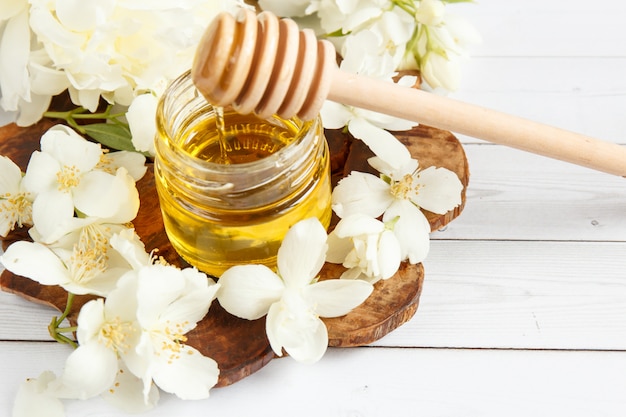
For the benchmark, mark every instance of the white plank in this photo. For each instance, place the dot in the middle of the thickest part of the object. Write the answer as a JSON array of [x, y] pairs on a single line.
[[564, 295], [587, 96], [24, 320], [382, 382], [518, 195], [547, 28], [558, 295]]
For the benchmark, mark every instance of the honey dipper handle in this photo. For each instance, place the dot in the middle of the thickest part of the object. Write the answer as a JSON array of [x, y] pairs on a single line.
[[467, 119]]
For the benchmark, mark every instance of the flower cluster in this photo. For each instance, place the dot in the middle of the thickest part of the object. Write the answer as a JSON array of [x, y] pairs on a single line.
[[292, 298], [110, 49], [372, 249], [378, 38], [79, 200]]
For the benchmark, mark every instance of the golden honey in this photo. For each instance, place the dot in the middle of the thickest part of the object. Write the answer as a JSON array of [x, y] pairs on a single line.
[[229, 194]]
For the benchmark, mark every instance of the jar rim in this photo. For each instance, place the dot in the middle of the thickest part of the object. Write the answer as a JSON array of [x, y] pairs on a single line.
[[165, 111]]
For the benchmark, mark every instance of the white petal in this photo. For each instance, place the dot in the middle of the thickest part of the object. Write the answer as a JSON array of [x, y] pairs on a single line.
[[134, 162], [103, 195], [127, 393], [302, 253], [41, 173], [247, 291], [338, 248], [89, 371], [305, 338], [361, 193], [358, 224], [10, 9], [32, 398], [76, 18], [122, 301], [412, 230], [337, 297], [396, 173], [15, 39], [158, 287], [70, 149], [384, 145], [189, 308], [45, 81], [10, 178], [30, 112], [130, 246], [439, 71], [389, 254], [440, 190], [139, 361], [141, 116], [124, 186], [90, 321], [53, 216], [101, 284], [35, 261], [189, 375], [335, 115]]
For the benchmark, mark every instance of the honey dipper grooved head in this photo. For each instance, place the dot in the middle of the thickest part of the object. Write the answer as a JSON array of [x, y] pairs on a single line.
[[263, 65]]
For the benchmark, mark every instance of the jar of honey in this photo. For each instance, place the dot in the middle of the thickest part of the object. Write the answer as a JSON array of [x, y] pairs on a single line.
[[231, 185]]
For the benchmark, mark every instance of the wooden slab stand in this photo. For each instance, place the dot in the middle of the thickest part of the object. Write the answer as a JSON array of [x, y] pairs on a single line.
[[240, 346]]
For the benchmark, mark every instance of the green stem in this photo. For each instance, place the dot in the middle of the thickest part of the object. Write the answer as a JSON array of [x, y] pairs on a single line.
[[71, 329], [56, 331], [408, 7]]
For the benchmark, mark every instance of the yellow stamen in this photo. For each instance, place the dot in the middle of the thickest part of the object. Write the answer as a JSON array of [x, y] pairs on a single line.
[[17, 209], [89, 255], [115, 334], [68, 178]]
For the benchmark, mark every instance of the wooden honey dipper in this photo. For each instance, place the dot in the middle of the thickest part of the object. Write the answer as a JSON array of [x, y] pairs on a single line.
[[260, 64]]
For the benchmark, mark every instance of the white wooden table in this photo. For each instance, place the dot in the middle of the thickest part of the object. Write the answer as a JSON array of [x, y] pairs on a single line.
[[524, 304]]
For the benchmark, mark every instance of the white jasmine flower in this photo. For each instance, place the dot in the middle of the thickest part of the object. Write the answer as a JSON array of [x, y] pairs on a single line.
[[292, 298], [83, 262], [16, 205], [141, 117], [170, 302], [113, 48], [365, 246], [133, 341], [63, 179], [107, 329], [439, 44], [398, 196]]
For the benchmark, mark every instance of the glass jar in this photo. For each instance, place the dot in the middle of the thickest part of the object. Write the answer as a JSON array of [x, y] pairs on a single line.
[[230, 200]]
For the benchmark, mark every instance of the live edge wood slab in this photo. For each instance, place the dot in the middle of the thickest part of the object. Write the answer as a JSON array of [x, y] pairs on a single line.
[[239, 346]]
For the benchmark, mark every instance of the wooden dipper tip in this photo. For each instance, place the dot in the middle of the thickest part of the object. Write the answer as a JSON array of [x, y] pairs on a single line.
[[263, 65]]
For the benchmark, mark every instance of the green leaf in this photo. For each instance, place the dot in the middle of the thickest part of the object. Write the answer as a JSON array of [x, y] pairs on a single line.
[[114, 136]]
